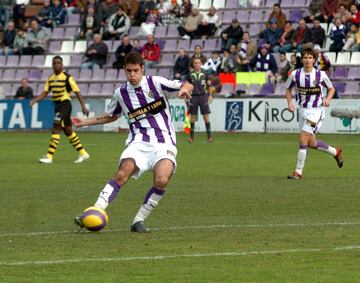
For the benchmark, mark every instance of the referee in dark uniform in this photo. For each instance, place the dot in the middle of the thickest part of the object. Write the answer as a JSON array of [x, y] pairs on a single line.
[[200, 98], [61, 84]]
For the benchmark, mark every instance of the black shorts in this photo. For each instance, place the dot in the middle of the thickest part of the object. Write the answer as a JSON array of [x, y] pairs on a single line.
[[199, 100], [63, 113]]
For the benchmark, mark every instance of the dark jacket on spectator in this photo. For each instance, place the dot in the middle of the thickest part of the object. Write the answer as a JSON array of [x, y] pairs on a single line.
[[95, 26], [58, 14], [305, 38], [9, 37], [236, 33], [264, 63], [101, 53], [317, 36], [182, 65], [24, 93]]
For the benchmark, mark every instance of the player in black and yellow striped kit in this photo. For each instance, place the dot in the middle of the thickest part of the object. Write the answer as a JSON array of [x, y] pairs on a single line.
[[61, 84]]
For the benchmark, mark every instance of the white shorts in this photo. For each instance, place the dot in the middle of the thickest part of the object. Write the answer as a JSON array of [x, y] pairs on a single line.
[[146, 155], [311, 119]]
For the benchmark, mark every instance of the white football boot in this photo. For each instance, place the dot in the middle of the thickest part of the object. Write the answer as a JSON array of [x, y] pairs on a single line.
[[46, 160], [82, 158]]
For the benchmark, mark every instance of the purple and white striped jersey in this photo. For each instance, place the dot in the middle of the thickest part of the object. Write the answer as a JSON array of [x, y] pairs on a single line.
[[310, 87], [147, 109]]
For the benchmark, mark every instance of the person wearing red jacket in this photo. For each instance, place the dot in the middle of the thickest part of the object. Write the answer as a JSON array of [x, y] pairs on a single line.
[[150, 52]]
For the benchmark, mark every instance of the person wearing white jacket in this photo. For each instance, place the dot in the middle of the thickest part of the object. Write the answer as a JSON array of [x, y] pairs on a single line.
[[118, 25], [210, 23]]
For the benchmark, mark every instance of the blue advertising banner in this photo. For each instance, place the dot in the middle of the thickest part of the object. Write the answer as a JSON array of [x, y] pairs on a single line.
[[234, 115], [17, 114]]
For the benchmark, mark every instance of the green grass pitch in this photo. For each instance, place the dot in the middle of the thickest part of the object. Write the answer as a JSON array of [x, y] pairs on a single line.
[[230, 214]]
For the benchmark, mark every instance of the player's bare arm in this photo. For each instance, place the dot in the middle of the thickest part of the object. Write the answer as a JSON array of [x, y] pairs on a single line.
[[84, 109], [291, 106], [99, 120], [186, 90], [42, 96], [330, 95]]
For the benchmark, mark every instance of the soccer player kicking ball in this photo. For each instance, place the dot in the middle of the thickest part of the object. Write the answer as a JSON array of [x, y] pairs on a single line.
[[310, 85], [151, 143]]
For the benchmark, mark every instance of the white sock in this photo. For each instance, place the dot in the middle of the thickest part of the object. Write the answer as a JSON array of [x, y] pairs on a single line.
[[108, 194], [152, 199], [301, 157]]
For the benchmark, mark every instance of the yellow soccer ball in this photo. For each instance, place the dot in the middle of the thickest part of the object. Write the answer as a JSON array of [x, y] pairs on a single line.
[[94, 218]]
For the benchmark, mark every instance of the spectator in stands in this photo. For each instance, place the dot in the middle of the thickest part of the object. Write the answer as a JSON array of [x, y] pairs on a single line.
[[265, 62], [301, 36], [90, 24], [283, 67], [210, 23], [84, 4], [355, 14], [356, 46], [136, 46], [247, 50], [38, 38], [20, 42], [1, 36], [177, 14], [231, 63], [4, 15], [190, 28], [71, 6], [197, 54], [106, 10], [231, 35], [212, 65], [328, 10], [124, 48], [145, 6], [131, 8], [150, 52], [118, 25], [57, 14], [24, 91], [323, 63], [317, 33], [19, 13], [96, 54], [152, 21], [181, 67], [224, 57], [8, 40], [293, 63], [285, 37], [277, 15], [346, 3], [272, 34], [43, 15], [338, 35], [163, 6], [314, 10], [351, 37], [343, 14]]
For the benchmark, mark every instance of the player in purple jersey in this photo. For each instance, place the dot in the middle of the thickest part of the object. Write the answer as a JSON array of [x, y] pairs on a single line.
[[310, 85], [151, 144]]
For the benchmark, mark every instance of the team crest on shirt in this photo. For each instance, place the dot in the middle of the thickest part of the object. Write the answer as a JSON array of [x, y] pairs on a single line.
[[150, 94], [315, 83]]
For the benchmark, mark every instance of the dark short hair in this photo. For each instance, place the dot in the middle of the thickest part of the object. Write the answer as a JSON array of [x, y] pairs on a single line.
[[309, 50], [133, 58], [282, 53], [57, 57]]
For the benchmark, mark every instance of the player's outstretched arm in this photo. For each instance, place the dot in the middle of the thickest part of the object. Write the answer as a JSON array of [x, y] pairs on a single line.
[[99, 120], [42, 96], [186, 90]]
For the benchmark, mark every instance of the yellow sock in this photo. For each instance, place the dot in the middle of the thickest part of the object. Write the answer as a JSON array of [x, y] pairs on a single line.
[[54, 142], [75, 141]]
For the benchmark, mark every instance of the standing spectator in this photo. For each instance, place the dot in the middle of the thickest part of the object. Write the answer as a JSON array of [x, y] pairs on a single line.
[[8, 40], [265, 62], [57, 14], [90, 24], [317, 33], [338, 35], [24, 91], [210, 23], [44, 14], [247, 50], [96, 54], [355, 15], [285, 38], [231, 35], [328, 10], [190, 29], [283, 67], [131, 8], [200, 98], [277, 15], [106, 9], [211, 67], [38, 38], [118, 25], [124, 48], [272, 34], [351, 37], [150, 52], [182, 64], [20, 42]]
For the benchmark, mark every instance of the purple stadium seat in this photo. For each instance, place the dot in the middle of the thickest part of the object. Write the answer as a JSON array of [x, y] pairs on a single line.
[[295, 16], [45, 74], [243, 16], [38, 60], [75, 73], [98, 75], [254, 89], [76, 60], [352, 88], [164, 72], [270, 3], [267, 89], [151, 72], [8, 75], [254, 30], [183, 44], [172, 31], [160, 32], [2, 60], [340, 86], [58, 33], [14, 88], [210, 45], [12, 61], [256, 16], [167, 60], [85, 75], [111, 75], [133, 32], [21, 73], [121, 77], [242, 87], [115, 45], [54, 46], [227, 89], [340, 73], [83, 88], [170, 45], [109, 44], [287, 3], [70, 33], [232, 4], [354, 73], [107, 89], [228, 16], [280, 89], [94, 89], [34, 75], [7, 89], [73, 19], [195, 42], [25, 61]]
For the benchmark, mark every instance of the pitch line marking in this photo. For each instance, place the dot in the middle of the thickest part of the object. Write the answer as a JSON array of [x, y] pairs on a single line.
[[165, 257], [200, 227]]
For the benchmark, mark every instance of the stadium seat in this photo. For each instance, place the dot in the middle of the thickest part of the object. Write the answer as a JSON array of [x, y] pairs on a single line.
[[121, 76], [109, 44], [54, 46], [340, 87], [354, 73], [167, 60], [328, 42], [219, 4], [232, 4], [195, 3], [343, 58], [227, 89], [98, 75], [287, 3], [151, 72], [228, 16], [67, 46], [85, 75], [12, 61], [80, 46], [25, 61], [107, 89], [270, 3], [73, 19], [38, 60], [295, 15], [2, 60], [83, 88], [280, 89], [94, 89], [210, 45], [8, 75], [111, 75], [133, 32], [21, 73], [172, 31], [46, 73], [76, 60], [325, 26], [255, 29], [331, 56], [355, 59], [243, 16], [34, 75], [340, 72], [351, 88], [256, 16], [160, 31], [205, 4], [70, 33], [195, 42], [164, 72], [254, 89], [267, 89], [184, 44], [58, 33], [48, 60], [7, 89]]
